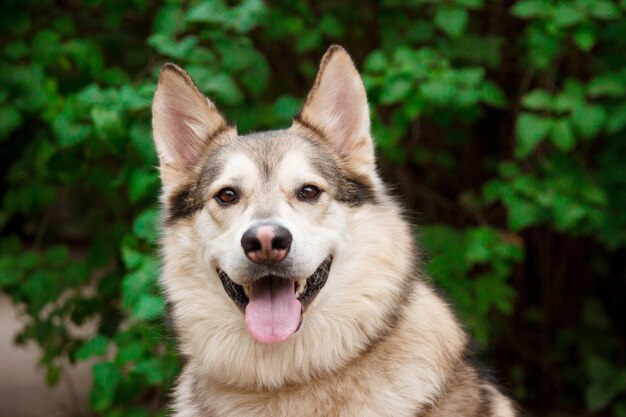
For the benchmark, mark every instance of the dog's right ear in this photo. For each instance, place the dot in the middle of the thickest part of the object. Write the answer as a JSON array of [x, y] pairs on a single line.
[[183, 120]]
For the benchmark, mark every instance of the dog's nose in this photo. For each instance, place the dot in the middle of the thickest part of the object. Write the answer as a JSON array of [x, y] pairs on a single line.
[[266, 243]]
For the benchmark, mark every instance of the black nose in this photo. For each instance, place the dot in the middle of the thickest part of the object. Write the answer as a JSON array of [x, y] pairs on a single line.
[[266, 243]]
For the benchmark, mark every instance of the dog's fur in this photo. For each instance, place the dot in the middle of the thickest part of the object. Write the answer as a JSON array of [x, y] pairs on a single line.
[[376, 341]]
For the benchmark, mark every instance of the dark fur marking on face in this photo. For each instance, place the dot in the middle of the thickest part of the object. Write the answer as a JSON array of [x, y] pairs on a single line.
[[183, 204], [350, 189], [354, 192]]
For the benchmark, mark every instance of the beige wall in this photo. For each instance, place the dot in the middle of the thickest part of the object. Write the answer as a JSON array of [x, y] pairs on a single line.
[[23, 391]]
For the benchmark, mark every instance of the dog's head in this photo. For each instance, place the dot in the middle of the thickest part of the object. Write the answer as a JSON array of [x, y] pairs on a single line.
[[271, 223]]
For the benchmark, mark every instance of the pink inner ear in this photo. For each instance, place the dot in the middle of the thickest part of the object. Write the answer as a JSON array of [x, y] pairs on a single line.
[[183, 120], [185, 142], [346, 105]]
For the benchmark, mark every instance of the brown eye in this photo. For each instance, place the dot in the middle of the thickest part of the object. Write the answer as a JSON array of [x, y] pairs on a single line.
[[309, 192], [227, 196]]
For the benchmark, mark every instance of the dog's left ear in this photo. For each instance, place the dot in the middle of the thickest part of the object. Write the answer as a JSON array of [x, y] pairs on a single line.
[[337, 106]]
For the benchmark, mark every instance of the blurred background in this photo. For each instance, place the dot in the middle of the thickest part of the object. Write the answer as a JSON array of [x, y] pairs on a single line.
[[501, 124]]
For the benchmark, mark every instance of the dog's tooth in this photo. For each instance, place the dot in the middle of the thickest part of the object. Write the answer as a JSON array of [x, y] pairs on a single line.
[[300, 286], [246, 289]]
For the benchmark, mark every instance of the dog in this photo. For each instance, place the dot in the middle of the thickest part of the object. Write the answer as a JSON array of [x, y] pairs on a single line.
[[293, 279]]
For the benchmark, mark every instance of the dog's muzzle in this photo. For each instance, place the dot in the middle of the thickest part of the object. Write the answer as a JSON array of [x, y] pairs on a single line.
[[312, 287]]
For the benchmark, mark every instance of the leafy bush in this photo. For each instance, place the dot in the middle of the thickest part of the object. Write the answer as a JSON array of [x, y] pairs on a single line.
[[504, 126]]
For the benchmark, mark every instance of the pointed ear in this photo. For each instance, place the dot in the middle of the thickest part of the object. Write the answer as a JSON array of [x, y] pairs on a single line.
[[183, 120], [337, 106]]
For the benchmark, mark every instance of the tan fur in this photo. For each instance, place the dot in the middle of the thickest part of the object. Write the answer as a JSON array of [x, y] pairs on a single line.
[[377, 340]]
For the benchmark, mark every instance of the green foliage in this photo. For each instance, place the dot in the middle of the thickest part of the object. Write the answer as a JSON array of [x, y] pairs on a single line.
[[496, 137], [474, 266]]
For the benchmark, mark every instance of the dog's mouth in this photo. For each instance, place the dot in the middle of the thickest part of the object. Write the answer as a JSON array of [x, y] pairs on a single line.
[[273, 305]]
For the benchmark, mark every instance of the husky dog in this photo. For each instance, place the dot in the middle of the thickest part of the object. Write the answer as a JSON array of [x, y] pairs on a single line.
[[292, 276]]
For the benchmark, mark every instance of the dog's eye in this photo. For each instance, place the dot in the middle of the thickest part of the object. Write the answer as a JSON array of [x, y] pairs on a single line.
[[227, 196], [309, 192]]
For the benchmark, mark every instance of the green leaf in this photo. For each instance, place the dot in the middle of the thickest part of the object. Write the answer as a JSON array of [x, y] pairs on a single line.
[[168, 20], [107, 122], [149, 307], [30, 260], [145, 225], [10, 273], [10, 119], [562, 135], [480, 242], [542, 47], [607, 85], [131, 352], [308, 41], [605, 385], [207, 12], [222, 86], [469, 76], [531, 8], [531, 129], [451, 20], [617, 120], [571, 97], [287, 107], [395, 90], [470, 4], [57, 255], [53, 374], [69, 132], [376, 62], [141, 139], [45, 47], [135, 98], [152, 369], [142, 182], [523, 213], [332, 26], [438, 92], [493, 190], [585, 37], [493, 95], [138, 283], [106, 378], [166, 45], [16, 50], [589, 120], [537, 100], [96, 346], [249, 14], [131, 256], [605, 10], [567, 14], [568, 213], [599, 369]]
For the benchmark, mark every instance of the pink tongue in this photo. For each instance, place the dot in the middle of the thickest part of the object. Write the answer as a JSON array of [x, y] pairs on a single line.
[[273, 313]]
